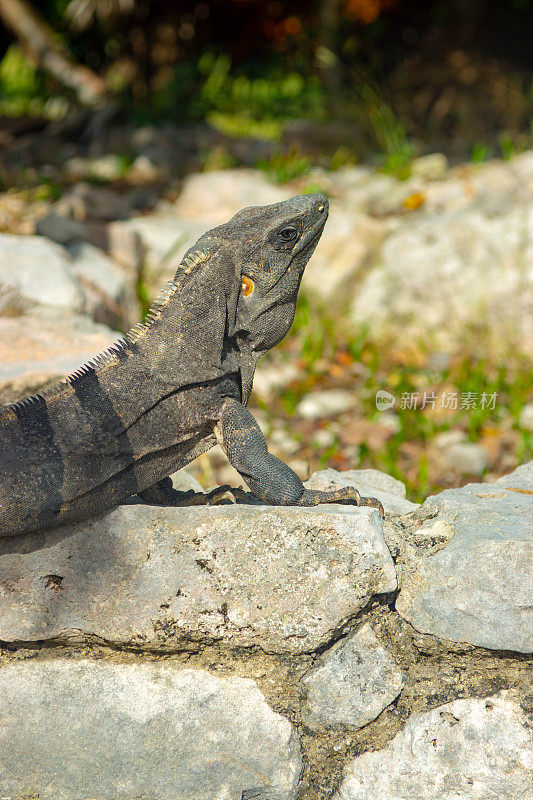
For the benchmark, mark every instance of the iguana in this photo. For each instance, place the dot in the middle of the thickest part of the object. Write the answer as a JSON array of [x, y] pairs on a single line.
[[174, 386]]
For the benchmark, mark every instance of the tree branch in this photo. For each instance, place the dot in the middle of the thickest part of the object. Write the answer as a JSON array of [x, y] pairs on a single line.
[[39, 41]]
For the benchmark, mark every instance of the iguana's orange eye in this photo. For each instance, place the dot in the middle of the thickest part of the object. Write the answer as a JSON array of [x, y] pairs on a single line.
[[247, 286]]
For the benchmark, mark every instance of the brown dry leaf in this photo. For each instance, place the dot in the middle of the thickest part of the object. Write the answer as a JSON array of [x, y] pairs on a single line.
[[344, 358]]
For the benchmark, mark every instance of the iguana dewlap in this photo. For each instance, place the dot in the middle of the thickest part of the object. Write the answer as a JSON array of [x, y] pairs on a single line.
[[177, 383]]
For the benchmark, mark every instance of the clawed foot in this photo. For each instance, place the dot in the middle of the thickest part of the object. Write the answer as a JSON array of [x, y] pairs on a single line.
[[347, 495]]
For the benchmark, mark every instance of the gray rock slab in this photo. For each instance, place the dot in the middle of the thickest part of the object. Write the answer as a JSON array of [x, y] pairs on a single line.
[[72, 730], [284, 579], [369, 483], [22, 262], [350, 242], [166, 237], [475, 749], [110, 293], [215, 196], [39, 348], [478, 275], [478, 587], [352, 683]]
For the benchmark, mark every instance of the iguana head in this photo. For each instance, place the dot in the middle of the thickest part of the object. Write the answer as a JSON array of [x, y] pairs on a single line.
[[271, 246]]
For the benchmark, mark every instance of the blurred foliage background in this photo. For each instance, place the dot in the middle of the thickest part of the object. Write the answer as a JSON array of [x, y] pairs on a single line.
[[319, 83], [440, 73]]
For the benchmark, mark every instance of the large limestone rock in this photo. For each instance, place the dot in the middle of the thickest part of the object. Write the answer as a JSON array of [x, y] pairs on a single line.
[[344, 252], [439, 273], [284, 579], [165, 237], [352, 683], [470, 749], [80, 279], [478, 587], [40, 272], [70, 730], [217, 195], [39, 349]]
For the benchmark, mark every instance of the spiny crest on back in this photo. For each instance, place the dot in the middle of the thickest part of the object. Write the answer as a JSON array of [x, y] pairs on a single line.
[[113, 353]]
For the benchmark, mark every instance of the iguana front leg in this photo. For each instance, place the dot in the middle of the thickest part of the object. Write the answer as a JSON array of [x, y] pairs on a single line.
[[269, 478]]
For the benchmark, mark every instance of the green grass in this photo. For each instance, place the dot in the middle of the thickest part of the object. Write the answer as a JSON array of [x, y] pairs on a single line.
[[284, 167]]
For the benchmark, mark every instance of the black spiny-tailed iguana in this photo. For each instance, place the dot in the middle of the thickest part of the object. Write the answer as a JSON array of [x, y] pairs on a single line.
[[176, 384]]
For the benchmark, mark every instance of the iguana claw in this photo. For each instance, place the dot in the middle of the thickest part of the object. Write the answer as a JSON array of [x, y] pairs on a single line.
[[373, 502]]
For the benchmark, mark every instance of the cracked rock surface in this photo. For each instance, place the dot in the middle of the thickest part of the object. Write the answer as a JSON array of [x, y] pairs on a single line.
[[70, 730], [271, 646], [284, 579], [472, 749], [478, 586]]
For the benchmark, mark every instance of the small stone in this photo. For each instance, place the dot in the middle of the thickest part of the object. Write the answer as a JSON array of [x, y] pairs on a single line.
[[217, 195], [322, 438], [106, 168], [125, 245], [144, 170], [74, 729], [182, 480], [468, 458], [448, 439], [326, 404], [355, 680], [284, 442], [431, 167], [165, 238], [85, 201], [390, 420], [388, 196], [272, 378], [110, 293], [469, 749], [58, 228], [526, 417]]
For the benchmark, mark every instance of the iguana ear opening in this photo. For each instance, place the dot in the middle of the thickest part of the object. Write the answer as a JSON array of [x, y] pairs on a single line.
[[247, 286]]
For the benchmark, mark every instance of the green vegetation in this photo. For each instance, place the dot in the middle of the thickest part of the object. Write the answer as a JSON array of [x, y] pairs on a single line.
[[235, 102], [284, 167], [20, 85], [390, 134], [480, 153]]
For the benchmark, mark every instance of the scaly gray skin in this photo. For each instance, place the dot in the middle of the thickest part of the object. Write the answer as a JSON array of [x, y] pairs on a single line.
[[175, 385]]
